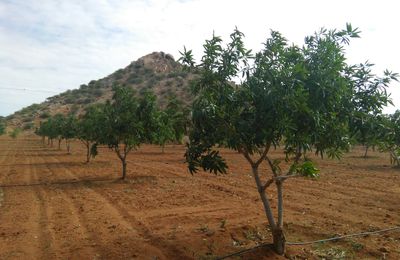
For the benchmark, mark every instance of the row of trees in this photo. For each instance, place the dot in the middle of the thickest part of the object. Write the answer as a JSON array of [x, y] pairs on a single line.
[[122, 124], [306, 98]]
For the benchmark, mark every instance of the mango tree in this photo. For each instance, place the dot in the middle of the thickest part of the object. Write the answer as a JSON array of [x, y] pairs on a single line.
[[391, 137], [165, 130], [41, 132], [128, 122], [69, 130], [178, 115], [89, 127], [300, 97], [57, 127], [369, 98], [49, 129]]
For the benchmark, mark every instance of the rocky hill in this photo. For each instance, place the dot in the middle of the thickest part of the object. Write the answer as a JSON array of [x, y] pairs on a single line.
[[157, 71]]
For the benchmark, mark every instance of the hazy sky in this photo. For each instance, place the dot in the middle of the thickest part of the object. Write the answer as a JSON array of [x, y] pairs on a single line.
[[49, 46]]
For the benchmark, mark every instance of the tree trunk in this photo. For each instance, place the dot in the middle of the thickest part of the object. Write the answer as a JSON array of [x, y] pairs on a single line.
[[87, 151], [264, 199], [298, 155], [279, 240], [394, 158], [122, 156], [68, 146], [366, 151], [59, 144], [123, 168], [279, 186], [277, 231]]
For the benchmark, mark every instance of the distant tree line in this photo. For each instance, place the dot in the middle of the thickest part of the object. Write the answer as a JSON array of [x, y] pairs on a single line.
[[122, 124]]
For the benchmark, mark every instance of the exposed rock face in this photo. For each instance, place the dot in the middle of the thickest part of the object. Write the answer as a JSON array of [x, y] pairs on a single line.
[[159, 62]]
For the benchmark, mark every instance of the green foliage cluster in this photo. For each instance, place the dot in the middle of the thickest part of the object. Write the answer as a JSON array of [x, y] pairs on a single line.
[[58, 127], [29, 110], [135, 78], [119, 74], [28, 126], [15, 132], [44, 115], [389, 132], [369, 98]]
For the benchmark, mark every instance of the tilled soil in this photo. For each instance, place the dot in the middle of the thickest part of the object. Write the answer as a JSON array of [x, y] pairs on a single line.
[[55, 206]]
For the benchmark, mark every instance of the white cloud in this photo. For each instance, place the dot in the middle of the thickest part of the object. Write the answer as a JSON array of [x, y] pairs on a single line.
[[57, 45]]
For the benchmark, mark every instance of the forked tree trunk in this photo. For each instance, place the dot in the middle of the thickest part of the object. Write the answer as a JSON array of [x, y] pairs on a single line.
[[394, 158], [277, 231], [67, 143], [122, 154], [366, 151]]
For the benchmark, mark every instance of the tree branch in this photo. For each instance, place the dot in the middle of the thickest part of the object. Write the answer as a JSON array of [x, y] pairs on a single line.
[[246, 155], [267, 184], [264, 154], [285, 177], [118, 152], [83, 141], [271, 166]]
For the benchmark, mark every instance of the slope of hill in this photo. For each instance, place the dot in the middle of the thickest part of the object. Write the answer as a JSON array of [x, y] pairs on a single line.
[[157, 71]]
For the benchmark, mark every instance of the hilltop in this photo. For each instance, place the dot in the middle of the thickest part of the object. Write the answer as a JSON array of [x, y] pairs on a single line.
[[157, 71]]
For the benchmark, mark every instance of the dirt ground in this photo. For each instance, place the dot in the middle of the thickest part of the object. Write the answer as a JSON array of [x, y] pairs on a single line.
[[54, 206]]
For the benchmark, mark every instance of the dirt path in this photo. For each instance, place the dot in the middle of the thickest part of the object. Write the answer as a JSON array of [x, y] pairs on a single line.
[[54, 206]]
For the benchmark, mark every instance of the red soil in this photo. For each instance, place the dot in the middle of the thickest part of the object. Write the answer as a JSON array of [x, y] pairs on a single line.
[[55, 206]]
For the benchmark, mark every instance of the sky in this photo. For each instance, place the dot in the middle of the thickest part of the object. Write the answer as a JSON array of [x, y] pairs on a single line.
[[49, 46]]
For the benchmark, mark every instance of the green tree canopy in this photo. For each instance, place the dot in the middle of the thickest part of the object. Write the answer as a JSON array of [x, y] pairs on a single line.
[[178, 115], [89, 128], [390, 135], [369, 98], [128, 122], [165, 130], [299, 97], [69, 130]]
